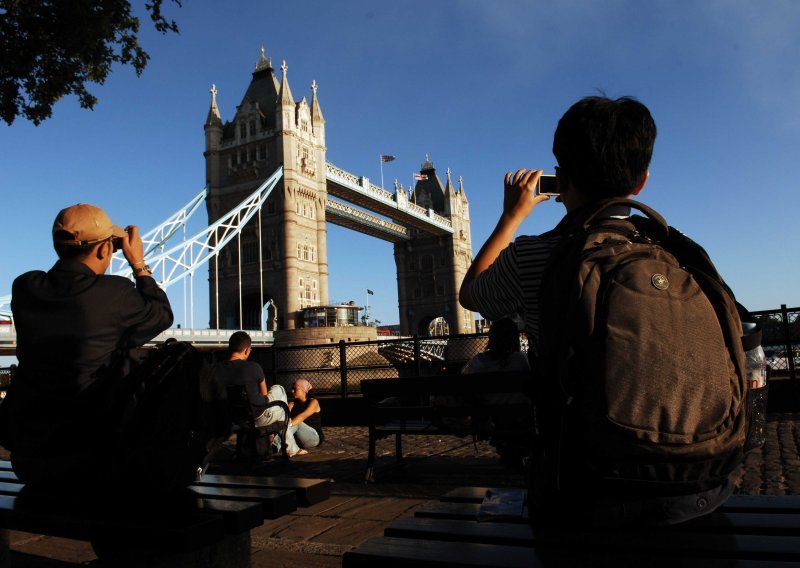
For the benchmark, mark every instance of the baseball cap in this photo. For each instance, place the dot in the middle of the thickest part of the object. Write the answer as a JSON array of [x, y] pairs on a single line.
[[85, 224]]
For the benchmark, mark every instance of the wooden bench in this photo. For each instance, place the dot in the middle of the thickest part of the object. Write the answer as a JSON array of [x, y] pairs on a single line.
[[460, 530], [207, 525], [414, 406]]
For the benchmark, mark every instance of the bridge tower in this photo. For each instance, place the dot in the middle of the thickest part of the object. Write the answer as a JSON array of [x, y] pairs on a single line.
[[287, 246], [430, 269]]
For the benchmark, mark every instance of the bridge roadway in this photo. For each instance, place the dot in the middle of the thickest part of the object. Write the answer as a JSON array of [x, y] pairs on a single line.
[[201, 338], [361, 192]]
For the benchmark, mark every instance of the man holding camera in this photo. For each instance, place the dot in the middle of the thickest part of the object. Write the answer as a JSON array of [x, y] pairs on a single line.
[[75, 325], [635, 339]]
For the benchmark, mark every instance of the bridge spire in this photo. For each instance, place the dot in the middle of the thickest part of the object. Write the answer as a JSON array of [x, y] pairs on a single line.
[[263, 63], [213, 112], [285, 96], [316, 111], [448, 188]]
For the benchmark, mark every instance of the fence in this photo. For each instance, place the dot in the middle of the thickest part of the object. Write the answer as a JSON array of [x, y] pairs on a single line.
[[780, 337], [337, 369]]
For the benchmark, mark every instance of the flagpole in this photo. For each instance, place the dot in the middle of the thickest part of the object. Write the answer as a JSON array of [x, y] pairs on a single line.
[[380, 158]]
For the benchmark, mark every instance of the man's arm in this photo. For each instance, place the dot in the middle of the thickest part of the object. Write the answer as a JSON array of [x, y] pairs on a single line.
[[146, 311], [519, 199]]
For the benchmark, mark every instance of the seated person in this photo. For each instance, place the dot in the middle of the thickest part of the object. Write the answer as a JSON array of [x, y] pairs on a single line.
[[237, 370], [503, 352], [305, 430]]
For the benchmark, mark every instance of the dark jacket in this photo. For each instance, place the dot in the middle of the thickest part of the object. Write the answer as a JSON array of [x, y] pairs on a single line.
[[72, 327]]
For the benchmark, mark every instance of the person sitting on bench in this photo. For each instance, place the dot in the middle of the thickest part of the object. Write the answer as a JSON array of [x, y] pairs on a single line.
[[237, 370]]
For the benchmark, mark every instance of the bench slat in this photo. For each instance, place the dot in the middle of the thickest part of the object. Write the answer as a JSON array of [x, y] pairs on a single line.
[[389, 552], [275, 502], [308, 491], [652, 540], [392, 552]]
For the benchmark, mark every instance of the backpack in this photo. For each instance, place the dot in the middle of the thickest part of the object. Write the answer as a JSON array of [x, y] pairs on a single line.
[[173, 416], [640, 369]]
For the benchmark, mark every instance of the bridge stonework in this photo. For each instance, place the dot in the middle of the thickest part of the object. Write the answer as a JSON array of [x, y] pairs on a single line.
[[269, 130], [430, 268], [280, 258]]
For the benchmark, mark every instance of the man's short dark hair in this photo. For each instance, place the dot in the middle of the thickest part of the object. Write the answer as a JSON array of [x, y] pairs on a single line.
[[70, 251], [604, 146], [239, 341]]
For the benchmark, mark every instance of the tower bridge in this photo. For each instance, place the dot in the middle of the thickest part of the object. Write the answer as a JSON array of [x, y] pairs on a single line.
[[270, 193]]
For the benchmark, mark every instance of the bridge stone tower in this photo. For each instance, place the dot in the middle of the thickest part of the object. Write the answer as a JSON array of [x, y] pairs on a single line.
[[269, 129], [430, 269]]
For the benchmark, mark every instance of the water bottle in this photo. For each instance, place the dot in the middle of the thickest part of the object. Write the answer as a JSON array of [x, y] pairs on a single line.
[[755, 360], [757, 390]]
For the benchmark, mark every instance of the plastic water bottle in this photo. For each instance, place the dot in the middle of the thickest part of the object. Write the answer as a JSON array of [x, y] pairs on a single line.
[[755, 360], [757, 389]]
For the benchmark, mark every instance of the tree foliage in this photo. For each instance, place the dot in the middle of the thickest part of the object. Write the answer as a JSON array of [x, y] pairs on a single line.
[[53, 48]]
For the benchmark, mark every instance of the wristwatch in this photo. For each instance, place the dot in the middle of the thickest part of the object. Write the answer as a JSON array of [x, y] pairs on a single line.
[[145, 268]]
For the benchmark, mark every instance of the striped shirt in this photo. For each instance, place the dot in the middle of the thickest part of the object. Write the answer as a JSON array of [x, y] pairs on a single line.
[[511, 284]]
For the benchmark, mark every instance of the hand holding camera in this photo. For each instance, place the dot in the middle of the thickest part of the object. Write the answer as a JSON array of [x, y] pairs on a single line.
[[132, 247]]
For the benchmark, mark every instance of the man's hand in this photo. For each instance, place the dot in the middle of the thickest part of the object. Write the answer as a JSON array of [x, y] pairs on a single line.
[[519, 199], [520, 194], [132, 246]]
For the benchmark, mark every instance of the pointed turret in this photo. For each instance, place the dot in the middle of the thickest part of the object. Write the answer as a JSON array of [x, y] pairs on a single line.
[[461, 190], [428, 192], [448, 187], [285, 94], [213, 128], [316, 111], [317, 120], [214, 117]]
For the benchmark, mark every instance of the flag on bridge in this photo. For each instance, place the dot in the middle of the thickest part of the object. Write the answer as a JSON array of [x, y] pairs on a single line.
[[370, 292], [386, 158], [420, 176]]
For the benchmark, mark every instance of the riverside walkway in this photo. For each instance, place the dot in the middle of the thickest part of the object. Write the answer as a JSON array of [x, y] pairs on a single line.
[[319, 535]]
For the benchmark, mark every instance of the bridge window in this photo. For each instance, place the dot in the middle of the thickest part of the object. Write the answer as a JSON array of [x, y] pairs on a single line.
[[243, 131], [252, 128], [249, 252]]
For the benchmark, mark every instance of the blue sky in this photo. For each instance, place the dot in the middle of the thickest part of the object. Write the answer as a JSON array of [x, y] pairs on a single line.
[[478, 85]]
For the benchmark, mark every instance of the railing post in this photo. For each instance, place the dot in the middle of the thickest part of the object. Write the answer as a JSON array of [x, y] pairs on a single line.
[[417, 358], [343, 366], [787, 339]]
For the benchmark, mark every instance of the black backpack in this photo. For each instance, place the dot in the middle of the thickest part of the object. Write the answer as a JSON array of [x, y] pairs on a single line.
[[639, 362], [173, 416]]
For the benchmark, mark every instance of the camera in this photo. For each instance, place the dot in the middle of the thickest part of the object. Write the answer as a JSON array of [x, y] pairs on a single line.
[[116, 242], [548, 185]]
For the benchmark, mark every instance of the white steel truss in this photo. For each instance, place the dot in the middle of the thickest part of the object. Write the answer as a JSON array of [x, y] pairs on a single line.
[[184, 259], [156, 238], [5, 306]]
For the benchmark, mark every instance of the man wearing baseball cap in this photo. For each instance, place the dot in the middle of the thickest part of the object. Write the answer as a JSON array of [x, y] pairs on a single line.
[[75, 325]]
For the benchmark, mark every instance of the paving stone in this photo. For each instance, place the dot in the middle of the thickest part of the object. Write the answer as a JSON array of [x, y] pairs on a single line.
[[352, 532]]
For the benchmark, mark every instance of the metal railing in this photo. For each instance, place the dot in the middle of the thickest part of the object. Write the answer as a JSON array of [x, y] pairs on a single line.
[[338, 368], [780, 337]]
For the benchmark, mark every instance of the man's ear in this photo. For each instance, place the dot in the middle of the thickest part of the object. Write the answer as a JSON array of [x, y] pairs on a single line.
[[104, 250], [640, 187]]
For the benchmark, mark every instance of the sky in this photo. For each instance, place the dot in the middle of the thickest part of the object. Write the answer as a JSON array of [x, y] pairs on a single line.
[[478, 86]]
